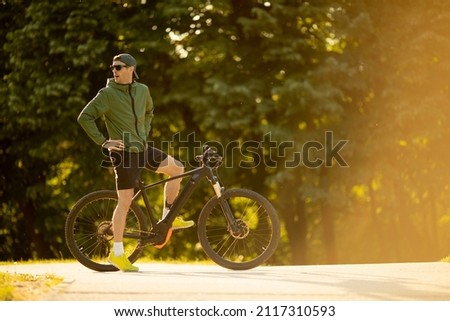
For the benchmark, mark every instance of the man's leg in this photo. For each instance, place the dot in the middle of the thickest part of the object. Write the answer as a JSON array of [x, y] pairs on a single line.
[[120, 213], [118, 257], [172, 167]]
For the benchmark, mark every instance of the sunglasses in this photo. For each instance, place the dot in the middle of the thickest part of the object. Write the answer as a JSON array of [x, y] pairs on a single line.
[[117, 67]]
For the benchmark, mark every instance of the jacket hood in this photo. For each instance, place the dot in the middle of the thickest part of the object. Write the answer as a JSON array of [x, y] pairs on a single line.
[[111, 83]]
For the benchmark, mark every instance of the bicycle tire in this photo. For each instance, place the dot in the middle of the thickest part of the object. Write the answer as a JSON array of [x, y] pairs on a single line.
[[239, 252], [88, 234]]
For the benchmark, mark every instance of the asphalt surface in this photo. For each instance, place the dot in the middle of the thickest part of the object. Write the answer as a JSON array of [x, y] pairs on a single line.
[[202, 282]]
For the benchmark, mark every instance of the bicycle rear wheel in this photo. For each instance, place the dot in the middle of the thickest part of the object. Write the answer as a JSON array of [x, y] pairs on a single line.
[[88, 230], [255, 239]]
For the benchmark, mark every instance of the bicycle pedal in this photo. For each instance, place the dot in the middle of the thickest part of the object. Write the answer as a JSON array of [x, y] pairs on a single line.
[[168, 235]]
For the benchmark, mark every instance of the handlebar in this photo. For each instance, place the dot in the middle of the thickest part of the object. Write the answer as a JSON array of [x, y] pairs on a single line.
[[210, 158]]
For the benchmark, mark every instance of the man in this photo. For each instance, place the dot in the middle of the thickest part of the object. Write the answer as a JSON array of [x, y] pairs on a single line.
[[127, 108]]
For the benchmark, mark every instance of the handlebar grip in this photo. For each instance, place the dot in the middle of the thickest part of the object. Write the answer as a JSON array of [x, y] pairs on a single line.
[[209, 157]]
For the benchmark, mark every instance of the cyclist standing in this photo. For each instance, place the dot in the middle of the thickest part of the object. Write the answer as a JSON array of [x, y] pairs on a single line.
[[127, 108]]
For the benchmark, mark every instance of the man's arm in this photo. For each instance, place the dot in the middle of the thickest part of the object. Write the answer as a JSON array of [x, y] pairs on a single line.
[[94, 110]]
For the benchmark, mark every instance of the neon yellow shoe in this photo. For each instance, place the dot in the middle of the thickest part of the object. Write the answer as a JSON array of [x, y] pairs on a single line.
[[179, 223], [122, 263]]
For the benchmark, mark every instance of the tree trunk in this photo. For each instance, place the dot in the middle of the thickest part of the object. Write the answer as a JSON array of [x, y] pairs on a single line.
[[296, 228], [329, 234], [36, 238]]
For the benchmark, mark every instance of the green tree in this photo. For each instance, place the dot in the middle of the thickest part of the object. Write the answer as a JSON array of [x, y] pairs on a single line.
[[52, 60], [398, 195], [234, 98], [262, 71], [269, 80]]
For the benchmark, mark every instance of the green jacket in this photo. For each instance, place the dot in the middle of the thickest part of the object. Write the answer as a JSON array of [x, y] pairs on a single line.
[[127, 111]]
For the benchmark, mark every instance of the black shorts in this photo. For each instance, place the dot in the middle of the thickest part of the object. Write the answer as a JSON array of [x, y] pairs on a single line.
[[128, 166]]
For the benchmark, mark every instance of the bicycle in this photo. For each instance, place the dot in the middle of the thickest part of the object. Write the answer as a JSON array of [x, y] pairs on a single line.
[[237, 228]]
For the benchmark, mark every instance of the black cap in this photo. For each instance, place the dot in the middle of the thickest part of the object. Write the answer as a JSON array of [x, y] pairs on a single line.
[[128, 60]]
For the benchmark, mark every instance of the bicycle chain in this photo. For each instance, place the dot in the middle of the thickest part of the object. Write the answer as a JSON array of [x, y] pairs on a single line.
[[143, 235]]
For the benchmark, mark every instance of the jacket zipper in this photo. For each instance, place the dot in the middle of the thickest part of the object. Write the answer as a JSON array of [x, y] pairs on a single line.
[[135, 116]]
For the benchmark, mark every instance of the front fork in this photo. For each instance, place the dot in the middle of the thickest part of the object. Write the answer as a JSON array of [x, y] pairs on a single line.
[[233, 224]]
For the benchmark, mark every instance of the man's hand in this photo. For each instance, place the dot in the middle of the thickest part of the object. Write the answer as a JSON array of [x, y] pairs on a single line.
[[115, 145]]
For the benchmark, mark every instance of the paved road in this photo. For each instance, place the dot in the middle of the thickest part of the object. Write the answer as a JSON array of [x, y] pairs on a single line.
[[197, 282]]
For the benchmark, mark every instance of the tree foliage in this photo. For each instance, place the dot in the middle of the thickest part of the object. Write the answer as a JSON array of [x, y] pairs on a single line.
[[278, 84]]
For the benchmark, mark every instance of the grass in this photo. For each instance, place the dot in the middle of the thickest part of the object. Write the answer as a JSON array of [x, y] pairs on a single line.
[[43, 261], [24, 287]]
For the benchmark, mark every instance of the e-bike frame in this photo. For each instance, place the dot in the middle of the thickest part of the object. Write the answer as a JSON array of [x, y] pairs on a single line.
[[160, 229]]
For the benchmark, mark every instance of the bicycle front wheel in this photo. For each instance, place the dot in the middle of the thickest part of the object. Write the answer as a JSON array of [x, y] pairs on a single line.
[[88, 230], [254, 236]]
